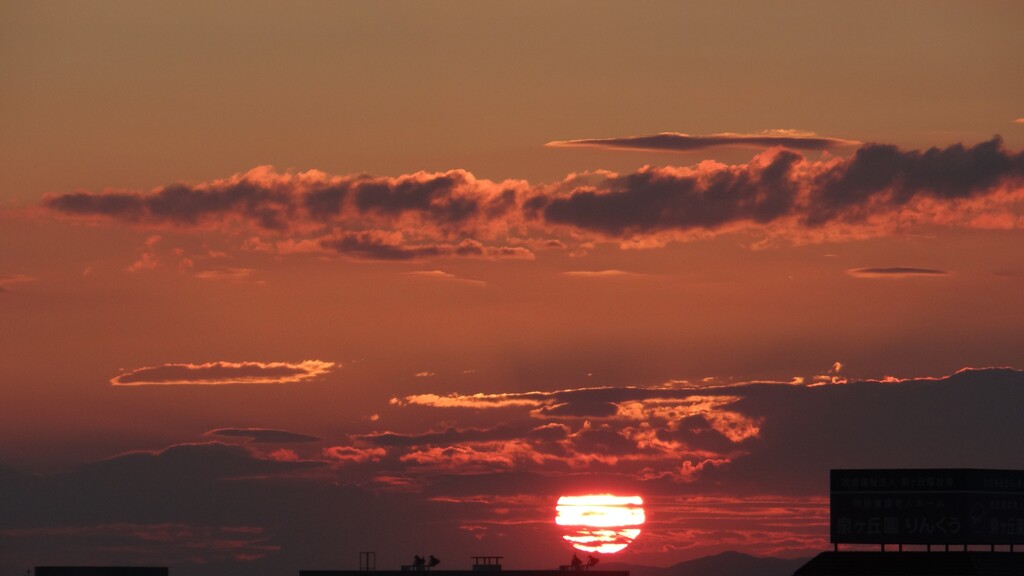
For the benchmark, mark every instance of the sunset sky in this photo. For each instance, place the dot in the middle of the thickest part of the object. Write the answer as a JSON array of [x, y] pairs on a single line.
[[284, 282]]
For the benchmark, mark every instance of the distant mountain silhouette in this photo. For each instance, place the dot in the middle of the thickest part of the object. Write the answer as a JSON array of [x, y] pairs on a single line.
[[724, 564]]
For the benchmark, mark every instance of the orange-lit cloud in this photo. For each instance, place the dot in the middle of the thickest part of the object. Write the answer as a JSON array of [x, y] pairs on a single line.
[[477, 456], [672, 407], [644, 432], [219, 373], [472, 401], [149, 258], [676, 142], [155, 254], [351, 454]]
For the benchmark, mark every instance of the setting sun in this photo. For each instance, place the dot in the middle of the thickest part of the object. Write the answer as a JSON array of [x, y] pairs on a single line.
[[600, 522], [338, 285]]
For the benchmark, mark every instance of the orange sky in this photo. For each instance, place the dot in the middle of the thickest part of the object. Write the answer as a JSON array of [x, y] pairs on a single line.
[[457, 259]]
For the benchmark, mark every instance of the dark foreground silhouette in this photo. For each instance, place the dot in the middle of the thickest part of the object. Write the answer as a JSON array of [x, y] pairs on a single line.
[[956, 563], [724, 564]]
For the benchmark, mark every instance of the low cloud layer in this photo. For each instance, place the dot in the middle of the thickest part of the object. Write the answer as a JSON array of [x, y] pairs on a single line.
[[263, 435], [219, 373], [778, 195], [676, 142], [741, 466], [146, 543], [683, 434]]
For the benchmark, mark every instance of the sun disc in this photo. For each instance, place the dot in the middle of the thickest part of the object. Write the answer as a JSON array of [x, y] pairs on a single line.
[[603, 523]]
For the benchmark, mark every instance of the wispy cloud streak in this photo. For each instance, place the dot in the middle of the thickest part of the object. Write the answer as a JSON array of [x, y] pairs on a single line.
[[677, 142], [220, 373], [263, 435], [896, 272], [12, 279]]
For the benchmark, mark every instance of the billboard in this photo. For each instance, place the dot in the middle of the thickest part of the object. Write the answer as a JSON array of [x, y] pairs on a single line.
[[927, 506]]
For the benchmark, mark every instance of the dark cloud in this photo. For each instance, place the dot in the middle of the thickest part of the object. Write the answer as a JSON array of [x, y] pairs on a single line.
[[966, 420], [654, 200], [325, 202], [882, 176], [877, 181], [676, 142], [150, 544], [204, 510], [448, 202], [218, 373], [696, 430], [448, 436], [604, 440], [779, 193], [264, 204], [263, 435], [209, 460], [377, 246], [895, 272], [433, 195]]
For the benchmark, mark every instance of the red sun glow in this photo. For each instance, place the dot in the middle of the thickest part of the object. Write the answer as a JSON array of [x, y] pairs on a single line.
[[600, 522]]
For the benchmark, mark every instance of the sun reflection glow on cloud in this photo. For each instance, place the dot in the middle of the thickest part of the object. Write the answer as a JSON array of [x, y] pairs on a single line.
[[602, 523]]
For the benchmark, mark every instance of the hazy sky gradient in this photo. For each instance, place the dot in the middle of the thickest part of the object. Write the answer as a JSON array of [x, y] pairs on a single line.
[[274, 275]]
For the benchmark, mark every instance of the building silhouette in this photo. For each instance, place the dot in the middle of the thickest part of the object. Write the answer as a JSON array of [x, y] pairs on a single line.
[[923, 522]]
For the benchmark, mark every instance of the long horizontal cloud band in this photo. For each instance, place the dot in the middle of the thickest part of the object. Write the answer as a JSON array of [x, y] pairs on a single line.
[[676, 142], [454, 214], [219, 373]]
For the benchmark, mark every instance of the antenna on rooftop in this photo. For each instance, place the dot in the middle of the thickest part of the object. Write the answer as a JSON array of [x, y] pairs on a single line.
[[367, 561]]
